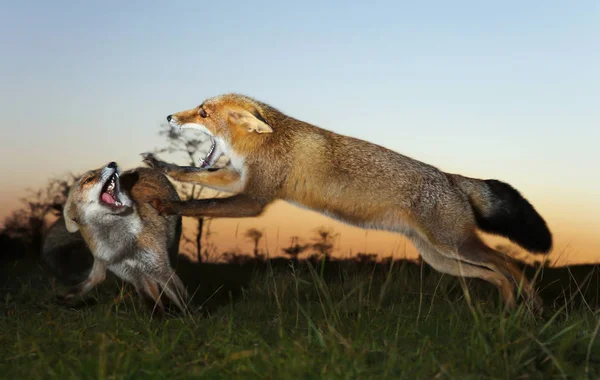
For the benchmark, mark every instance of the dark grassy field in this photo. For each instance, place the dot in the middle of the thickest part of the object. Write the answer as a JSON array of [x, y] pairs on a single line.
[[284, 319]]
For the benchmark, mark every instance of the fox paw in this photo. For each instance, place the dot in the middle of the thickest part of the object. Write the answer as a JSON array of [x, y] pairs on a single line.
[[536, 305], [64, 299], [153, 162]]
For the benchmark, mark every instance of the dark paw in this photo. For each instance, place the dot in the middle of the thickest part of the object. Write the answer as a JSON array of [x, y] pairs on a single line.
[[156, 310], [536, 305], [64, 299], [153, 162]]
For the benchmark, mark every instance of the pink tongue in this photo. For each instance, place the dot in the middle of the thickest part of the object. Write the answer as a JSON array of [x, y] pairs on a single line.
[[106, 197]]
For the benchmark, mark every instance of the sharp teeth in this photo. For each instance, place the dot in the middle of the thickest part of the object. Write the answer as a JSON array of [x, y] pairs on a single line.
[[204, 160], [111, 183]]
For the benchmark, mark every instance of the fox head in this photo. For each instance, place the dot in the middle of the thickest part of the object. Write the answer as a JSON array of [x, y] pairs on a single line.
[[229, 120], [96, 197]]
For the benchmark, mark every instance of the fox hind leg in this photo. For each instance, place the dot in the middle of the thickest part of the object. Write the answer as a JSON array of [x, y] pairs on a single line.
[[150, 293], [173, 288], [501, 260], [475, 251], [455, 267]]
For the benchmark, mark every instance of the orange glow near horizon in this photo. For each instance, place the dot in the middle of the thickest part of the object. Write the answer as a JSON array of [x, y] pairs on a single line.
[[575, 233], [281, 221], [573, 219]]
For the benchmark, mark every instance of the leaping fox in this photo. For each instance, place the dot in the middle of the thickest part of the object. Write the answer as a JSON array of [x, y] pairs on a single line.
[[274, 156]]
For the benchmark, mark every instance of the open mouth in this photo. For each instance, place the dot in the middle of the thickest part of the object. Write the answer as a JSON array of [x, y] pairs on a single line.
[[214, 151], [110, 191], [208, 161]]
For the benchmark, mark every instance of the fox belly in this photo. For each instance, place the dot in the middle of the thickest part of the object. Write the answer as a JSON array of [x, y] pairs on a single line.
[[390, 220]]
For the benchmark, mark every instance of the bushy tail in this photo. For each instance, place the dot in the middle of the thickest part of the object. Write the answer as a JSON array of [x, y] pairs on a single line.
[[500, 209]]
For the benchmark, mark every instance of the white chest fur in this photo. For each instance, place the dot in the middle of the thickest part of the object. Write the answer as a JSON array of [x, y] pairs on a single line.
[[113, 240]]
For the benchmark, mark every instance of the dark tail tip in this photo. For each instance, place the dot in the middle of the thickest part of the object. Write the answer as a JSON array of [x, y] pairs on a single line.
[[512, 216]]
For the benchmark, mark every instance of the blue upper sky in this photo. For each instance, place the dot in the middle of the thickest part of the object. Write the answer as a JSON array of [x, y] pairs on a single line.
[[506, 89]]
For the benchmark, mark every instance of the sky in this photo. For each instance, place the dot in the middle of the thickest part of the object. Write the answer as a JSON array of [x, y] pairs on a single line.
[[505, 90]]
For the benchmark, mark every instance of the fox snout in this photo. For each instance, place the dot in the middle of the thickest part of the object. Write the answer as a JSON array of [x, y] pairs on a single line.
[[110, 168], [181, 119], [173, 121]]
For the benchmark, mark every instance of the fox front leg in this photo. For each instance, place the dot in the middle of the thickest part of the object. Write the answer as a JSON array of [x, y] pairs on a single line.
[[153, 162], [96, 276], [237, 206], [222, 179]]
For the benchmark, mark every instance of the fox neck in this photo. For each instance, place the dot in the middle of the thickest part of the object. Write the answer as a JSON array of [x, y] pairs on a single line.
[[109, 240]]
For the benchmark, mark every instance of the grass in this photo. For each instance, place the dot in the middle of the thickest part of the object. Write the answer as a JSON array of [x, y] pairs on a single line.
[[287, 321]]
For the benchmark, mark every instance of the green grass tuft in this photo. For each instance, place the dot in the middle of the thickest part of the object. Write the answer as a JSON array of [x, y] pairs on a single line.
[[294, 321]]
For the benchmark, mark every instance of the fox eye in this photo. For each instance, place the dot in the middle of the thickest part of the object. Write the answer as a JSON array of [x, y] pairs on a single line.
[[203, 113], [87, 180]]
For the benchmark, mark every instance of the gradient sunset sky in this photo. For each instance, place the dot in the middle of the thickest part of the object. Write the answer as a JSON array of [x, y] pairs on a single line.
[[507, 90]]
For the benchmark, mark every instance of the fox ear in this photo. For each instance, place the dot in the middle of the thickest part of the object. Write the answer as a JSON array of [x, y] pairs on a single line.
[[250, 121], [72, 226]]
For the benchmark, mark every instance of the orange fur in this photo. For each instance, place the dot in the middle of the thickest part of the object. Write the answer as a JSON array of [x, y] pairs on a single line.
[[354, 181]]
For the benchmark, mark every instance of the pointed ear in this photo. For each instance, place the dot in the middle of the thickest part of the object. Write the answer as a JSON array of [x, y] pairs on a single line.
[[72, 226], [249, 121]]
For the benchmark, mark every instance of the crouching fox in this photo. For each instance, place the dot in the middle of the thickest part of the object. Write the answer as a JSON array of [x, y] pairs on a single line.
[[124, 233]]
